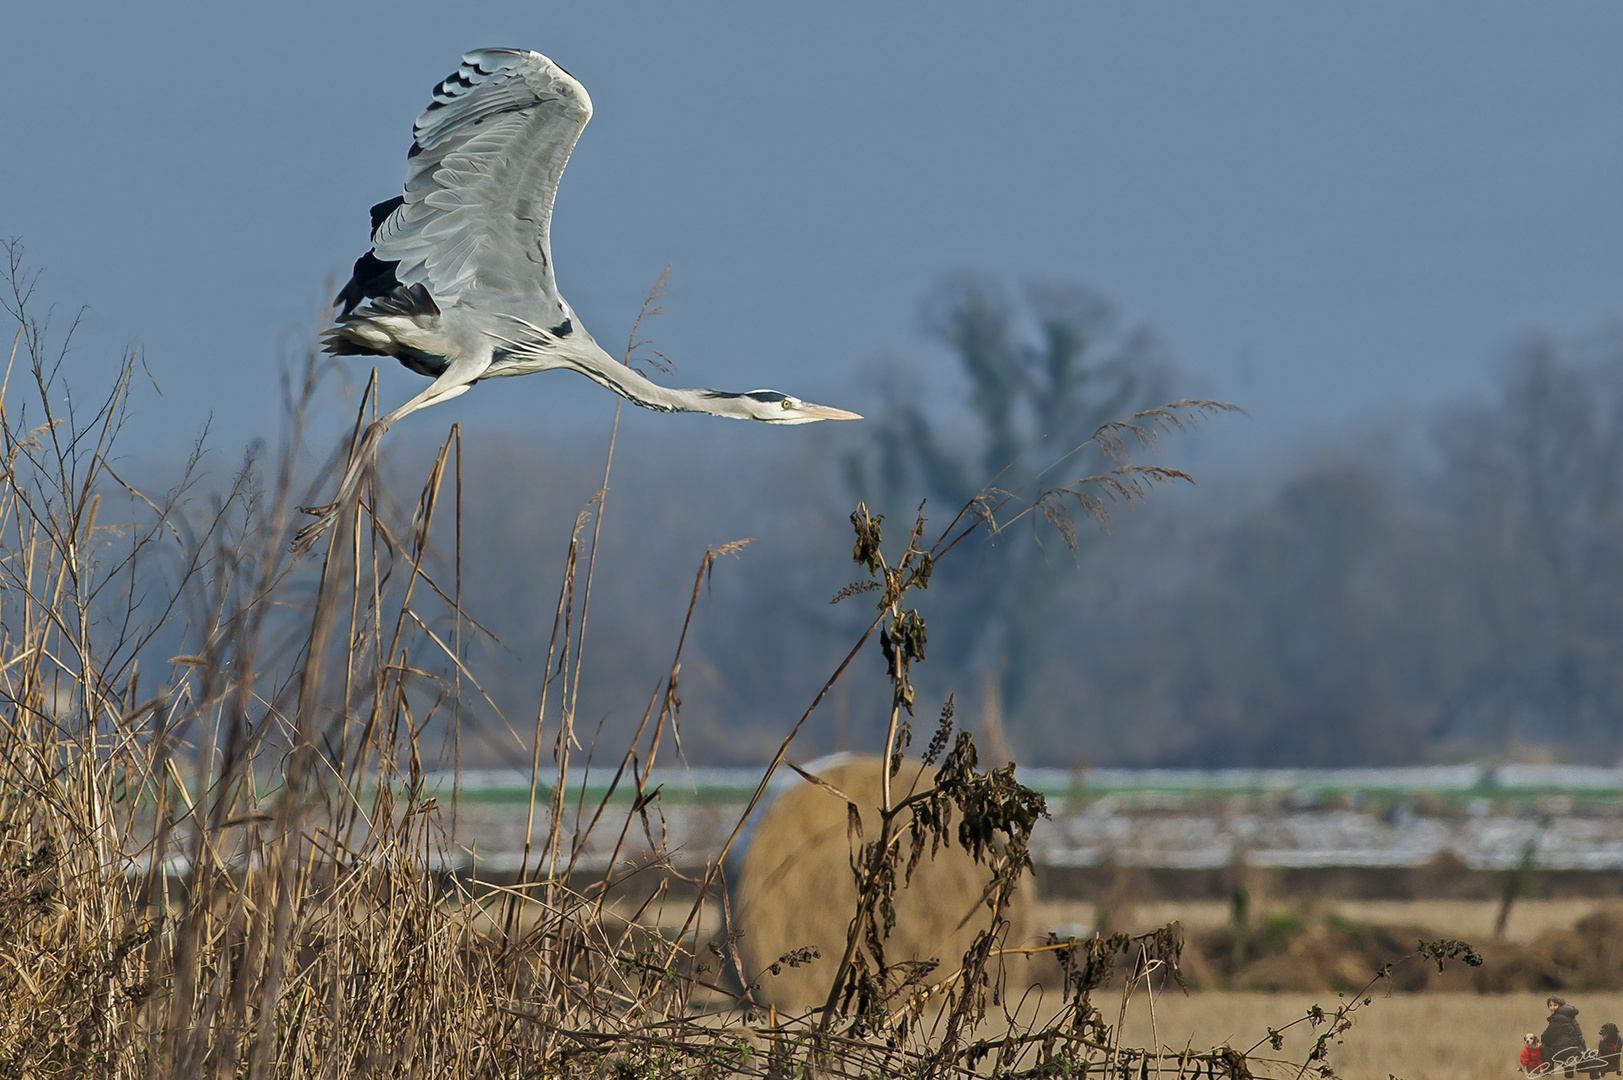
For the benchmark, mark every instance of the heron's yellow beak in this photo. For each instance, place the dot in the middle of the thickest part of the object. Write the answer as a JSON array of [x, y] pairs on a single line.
[[828, 412]]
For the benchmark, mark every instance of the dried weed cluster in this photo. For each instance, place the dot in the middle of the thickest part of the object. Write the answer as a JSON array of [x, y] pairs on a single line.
[[219, 855]]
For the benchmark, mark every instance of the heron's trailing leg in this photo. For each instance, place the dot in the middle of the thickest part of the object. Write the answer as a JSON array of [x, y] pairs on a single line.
[[441, 389]]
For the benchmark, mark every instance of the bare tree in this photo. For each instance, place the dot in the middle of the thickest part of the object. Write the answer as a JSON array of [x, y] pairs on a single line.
[[1042, 376], [1529, 486]]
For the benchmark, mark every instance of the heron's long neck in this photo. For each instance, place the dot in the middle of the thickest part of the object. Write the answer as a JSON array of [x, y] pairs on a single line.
[[631, 385]]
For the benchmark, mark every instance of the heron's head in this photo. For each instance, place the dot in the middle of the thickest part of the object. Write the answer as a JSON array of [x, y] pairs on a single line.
[[772, 407]]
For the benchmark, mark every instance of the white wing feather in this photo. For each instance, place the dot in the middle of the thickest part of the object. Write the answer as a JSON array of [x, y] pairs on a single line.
[[483, 173]]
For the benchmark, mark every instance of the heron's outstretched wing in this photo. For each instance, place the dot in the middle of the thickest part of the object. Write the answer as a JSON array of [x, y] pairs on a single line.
[[483, 170]]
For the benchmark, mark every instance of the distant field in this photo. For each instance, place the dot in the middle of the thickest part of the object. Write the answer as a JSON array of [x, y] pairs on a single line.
[[1454, 784], [1414, 1037], [1472, 920]]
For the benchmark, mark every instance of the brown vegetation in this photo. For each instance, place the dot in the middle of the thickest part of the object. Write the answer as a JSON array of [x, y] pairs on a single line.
[[1287, 951], [796, 889], [218, 854], [1473, 919], [1438, 1035], [1306, 946]]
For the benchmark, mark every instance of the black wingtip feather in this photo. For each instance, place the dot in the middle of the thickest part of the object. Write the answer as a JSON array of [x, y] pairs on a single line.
[[406, 300], [371, 278], [382, 210]]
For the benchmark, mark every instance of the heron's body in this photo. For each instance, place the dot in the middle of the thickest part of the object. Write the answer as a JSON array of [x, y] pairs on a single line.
[[458, 284]]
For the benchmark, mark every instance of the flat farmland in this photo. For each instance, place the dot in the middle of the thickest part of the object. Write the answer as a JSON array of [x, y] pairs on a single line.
[[1430, 1036], [1472, 920]]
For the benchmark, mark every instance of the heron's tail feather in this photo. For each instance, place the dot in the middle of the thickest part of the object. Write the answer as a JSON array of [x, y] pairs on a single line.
[[335, 341], [409, 300], [401, 323]]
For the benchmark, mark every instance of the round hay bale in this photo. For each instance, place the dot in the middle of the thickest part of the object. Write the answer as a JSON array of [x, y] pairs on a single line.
[[796, 888]]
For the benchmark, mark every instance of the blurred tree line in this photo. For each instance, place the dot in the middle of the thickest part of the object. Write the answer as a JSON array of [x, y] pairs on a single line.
[[1042, 377], [1443, 592]]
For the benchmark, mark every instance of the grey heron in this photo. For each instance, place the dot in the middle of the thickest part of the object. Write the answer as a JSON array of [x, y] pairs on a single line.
[[458, 284]]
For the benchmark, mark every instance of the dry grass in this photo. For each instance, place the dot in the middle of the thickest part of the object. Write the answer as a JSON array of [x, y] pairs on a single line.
[[216, 842], [1473, 919], [1470, 919], [214, 832], [1431, 1036], [796, 889]]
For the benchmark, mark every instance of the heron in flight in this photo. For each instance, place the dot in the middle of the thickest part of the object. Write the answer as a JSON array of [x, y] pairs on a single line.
[[458, 284]]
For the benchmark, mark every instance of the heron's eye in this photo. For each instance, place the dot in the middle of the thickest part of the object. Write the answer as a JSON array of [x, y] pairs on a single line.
[[790, 403]]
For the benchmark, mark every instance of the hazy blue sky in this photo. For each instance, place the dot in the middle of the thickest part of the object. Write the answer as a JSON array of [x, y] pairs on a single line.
[[1330, 212]]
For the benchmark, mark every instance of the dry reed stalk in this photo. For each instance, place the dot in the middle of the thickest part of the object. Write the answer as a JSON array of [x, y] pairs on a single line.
[[795, 889], [219, 856]]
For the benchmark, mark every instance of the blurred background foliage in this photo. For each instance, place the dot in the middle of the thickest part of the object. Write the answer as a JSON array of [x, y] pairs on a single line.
[[1042, 376], [1444, 588]]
